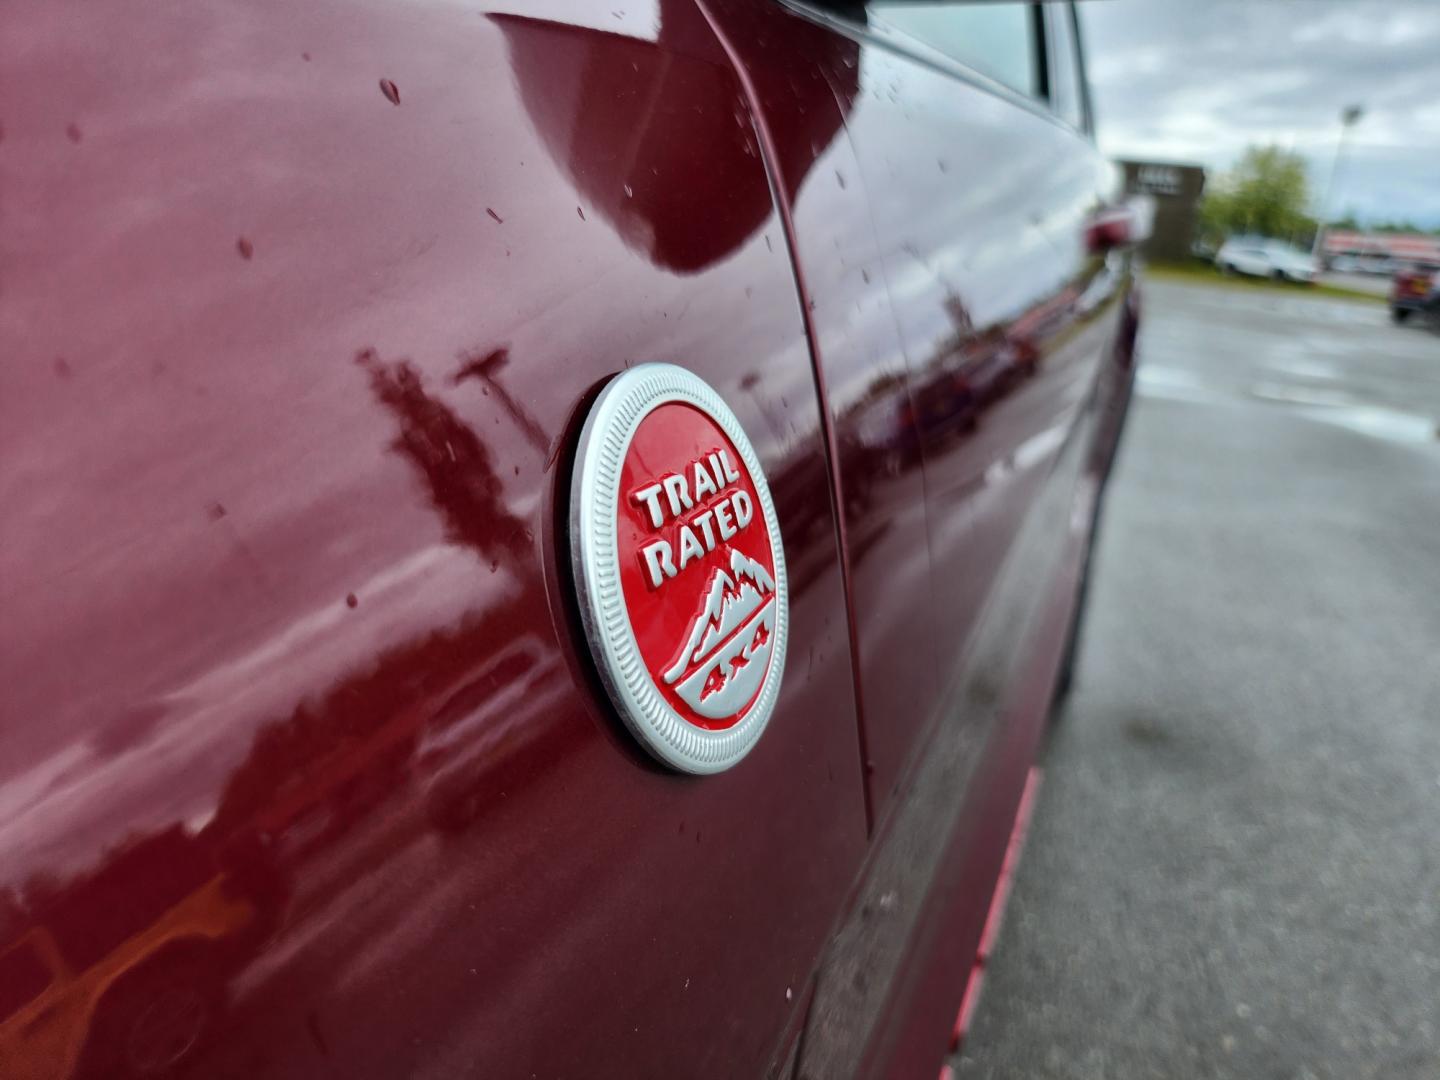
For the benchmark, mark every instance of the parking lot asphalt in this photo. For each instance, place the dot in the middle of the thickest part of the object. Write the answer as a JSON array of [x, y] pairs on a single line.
[[1374, 284], [1233, 868]]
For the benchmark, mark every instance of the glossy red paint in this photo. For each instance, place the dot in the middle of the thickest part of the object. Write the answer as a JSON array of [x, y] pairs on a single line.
[[304, 766], [975, 354], [441, 849]]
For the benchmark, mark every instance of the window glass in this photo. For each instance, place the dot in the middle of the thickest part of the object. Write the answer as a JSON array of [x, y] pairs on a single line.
[[1067, 97], [995, 39]]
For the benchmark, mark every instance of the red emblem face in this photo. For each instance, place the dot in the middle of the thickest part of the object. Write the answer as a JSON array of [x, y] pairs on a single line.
[[696, 566], [679, 567]]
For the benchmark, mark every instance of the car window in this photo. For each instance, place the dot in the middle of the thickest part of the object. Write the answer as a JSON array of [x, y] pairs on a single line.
[[998, 40], [1066, 87]]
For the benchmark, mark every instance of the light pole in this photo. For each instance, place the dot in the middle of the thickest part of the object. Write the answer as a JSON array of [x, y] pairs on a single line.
[[1349, 117]]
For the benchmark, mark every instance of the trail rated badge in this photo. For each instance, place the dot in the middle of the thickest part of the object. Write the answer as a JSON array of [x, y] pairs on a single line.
[[679, 568]]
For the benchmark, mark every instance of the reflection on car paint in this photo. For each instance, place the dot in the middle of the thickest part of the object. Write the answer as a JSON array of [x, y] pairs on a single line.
[[302, 770], [314, 653]]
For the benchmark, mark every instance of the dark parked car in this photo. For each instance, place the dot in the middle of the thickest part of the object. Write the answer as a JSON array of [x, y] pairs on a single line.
[[1415, 288], [538, 540]]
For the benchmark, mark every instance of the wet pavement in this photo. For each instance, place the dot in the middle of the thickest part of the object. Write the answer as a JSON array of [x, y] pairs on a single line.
[[1375, 284], [1234, 864]]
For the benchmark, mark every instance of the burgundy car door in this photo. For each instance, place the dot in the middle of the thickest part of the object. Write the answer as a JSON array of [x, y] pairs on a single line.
[[959, 318], [304, 768], [980, 196], [964, 333]]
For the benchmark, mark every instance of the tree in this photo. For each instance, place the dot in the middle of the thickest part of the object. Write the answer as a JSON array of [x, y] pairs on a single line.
[[1403, 225], [1266, 193]]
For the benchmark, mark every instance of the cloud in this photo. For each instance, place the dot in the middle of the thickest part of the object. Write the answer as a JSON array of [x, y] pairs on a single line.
[[1176, 80]]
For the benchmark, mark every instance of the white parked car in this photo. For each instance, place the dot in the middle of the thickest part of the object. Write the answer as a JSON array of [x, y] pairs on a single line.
[[1377, 264], [1259, 257]]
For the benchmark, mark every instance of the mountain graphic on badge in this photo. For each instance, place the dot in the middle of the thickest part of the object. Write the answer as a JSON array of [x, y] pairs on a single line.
[[727, 650], [679, 568]]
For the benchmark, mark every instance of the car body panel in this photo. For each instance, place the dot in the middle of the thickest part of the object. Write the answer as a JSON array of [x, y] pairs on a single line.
[[292, 376], [305, 306], [976, 382], [945, 300]]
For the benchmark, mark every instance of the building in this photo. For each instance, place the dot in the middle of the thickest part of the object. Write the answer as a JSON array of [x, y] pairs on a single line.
[[1402, 247], [1176, 189]]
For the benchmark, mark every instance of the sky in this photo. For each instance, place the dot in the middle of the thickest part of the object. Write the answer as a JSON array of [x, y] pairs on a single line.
[[1197, 81]]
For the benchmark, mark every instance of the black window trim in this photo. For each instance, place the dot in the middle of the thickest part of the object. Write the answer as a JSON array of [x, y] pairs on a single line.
[[1057, 10], [1040, 42], [1086, 107]]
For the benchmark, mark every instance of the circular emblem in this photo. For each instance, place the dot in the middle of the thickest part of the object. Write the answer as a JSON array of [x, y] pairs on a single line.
[[679, 568]]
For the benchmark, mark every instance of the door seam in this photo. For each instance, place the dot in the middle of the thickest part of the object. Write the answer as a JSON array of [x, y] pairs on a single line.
[[770, 158]]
